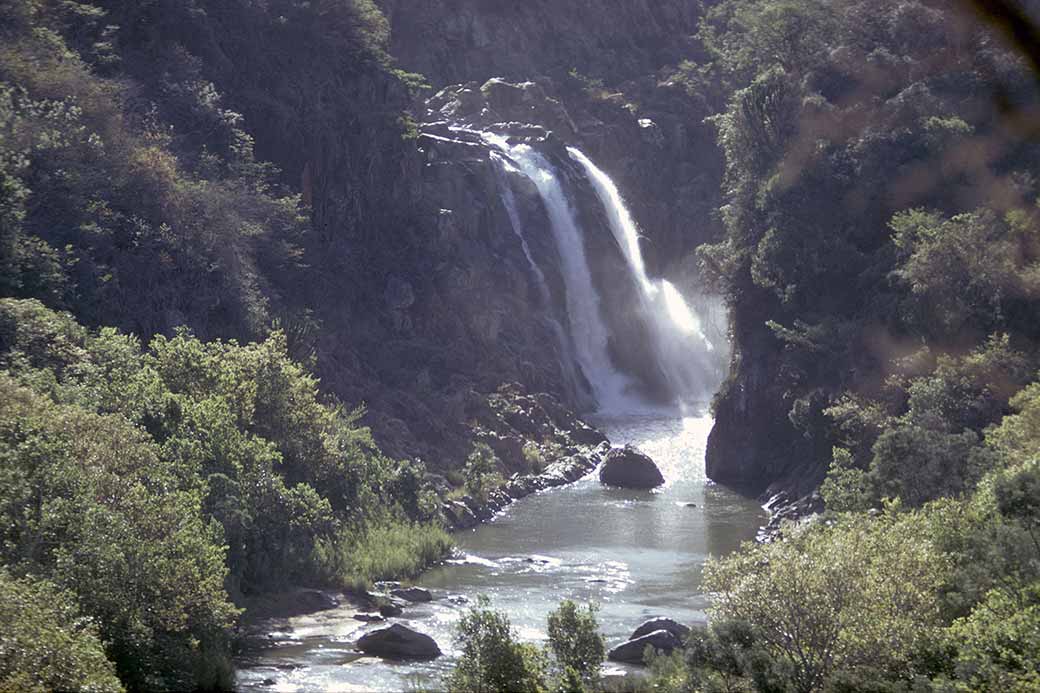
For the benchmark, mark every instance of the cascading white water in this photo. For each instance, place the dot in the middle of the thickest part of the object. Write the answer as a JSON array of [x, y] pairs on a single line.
[[584, 316], [576, 386], [682, 350]]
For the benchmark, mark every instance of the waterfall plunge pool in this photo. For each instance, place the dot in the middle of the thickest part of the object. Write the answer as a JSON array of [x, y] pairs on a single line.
[[636, 554]]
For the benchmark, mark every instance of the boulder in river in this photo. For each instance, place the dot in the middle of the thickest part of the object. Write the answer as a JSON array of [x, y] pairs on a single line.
[[629, 468], [399, 642], [390, 610], [368, 618], [413, 594], [674, 627], [631, 652]]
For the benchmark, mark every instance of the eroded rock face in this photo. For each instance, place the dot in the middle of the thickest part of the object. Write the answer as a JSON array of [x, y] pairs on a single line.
[[632, 651], [399, 642], [629, 468]]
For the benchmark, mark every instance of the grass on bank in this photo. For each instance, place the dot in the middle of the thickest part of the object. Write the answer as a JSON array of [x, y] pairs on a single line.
[[389, 549]]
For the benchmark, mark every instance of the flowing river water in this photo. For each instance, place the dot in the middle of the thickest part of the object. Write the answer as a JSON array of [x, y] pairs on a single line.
[[637, 554]]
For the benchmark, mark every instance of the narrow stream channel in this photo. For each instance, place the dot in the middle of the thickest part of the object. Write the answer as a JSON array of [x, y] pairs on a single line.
[[636, 554]]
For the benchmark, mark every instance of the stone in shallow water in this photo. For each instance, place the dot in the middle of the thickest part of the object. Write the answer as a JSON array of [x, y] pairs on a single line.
[[631, 652], [674, 627], [413, 594], [390, 610], [629, 468], [399, 642], [368, 618]]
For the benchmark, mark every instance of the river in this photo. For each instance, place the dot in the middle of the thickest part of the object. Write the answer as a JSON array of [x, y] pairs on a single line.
[[636, 554]]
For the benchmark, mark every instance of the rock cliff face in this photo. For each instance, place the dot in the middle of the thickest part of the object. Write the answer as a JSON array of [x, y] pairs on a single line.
[[462, 40], [459, 312], [753, 446], [420, 299]]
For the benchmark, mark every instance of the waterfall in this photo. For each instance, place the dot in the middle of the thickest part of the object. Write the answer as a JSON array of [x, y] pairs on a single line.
[[588, 332], [576, 385], [681, 349]]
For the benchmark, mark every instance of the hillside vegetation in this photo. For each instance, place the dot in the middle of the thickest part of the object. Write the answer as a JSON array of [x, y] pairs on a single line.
[[148, 482]]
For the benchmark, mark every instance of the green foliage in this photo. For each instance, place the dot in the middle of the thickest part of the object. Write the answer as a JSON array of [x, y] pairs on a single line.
[[846, 488], [726, 656], [859, 595], [481, 472], [103, 216], [953, 286], [491, 658], [41, 622], [89, 504], [916, 464], [998, 645], [575, 641], [151, 483], [383, 550]]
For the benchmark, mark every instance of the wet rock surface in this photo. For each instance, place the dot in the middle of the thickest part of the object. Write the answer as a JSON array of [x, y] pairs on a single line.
[[674, 627], [413, 594], [629, 468], [784, 511], [632, 651], [399, 642]]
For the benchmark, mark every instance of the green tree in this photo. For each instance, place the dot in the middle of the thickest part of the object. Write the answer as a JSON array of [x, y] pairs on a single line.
[[491, 659], [861, 595], [481, 472], [575, 641], [47, 645]]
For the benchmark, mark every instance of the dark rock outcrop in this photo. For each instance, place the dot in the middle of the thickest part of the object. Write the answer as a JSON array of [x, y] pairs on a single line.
[[369, 618], [559, 473], [413, 594], [632, 651], [399, 642], [629, 468], [389, 610], [474, 39], [674, 627]]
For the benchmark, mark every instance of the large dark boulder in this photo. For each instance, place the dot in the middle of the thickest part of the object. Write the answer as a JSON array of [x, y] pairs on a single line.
[[631, 652], [629, 468], [674, 627], [399, 642], [413, 594]]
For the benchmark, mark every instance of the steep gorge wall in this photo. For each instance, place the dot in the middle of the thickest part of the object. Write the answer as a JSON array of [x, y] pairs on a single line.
[[416, 299], [615, 40]]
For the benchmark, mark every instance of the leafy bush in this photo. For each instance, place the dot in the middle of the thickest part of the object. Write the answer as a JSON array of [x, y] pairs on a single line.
[[89, 504], [47, 645], [575, 642], [481, 472], [149, 482], [860, 595], [491, 658]]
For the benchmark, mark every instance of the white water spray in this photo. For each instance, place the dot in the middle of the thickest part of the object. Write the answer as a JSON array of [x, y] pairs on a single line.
[[679, 344], [584, 316], [575, 384]]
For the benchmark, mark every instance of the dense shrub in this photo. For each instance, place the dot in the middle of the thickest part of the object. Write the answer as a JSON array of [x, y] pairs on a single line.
[[575, 642], [491, 658], [40, 622], [149, 482]]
